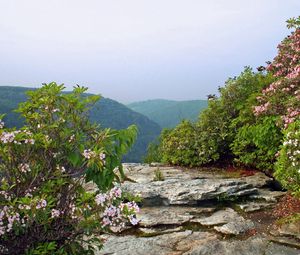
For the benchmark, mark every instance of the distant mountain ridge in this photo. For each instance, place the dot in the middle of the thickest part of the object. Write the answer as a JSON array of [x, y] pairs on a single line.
[[107, 112], [168, 113]]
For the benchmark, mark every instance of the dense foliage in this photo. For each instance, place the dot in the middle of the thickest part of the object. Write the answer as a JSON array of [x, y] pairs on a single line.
[[218, 134], [107, 112], [168, 113], [44, 207], [179, 145], [254, 122], [288, 164]]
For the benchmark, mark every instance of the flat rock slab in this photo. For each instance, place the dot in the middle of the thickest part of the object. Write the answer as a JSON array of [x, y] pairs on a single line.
[[191, 243], [288, 233], [159, 231], [170, 215], [231, 222], [218, 218], [258, 180], [143, 173], [188, 192], [173, 243], [289, 241], [251, 246], [239, 226]]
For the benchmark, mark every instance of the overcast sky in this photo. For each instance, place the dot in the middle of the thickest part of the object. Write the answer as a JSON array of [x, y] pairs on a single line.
[[131, 50]]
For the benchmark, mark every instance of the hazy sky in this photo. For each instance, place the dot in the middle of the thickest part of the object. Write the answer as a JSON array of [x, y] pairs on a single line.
[[133, 50]]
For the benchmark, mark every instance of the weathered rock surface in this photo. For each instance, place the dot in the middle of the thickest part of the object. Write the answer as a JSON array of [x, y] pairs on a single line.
[[287, 233], [192, 243], [239, 226], [290, 229], [218, 218], [188, 192], [232, 223], [251, 246], [268, 195], [170, 215], [174, 243], [186, 215]]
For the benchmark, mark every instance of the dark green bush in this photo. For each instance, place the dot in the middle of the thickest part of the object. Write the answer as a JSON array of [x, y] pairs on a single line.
[[179, 146], [256, 145]]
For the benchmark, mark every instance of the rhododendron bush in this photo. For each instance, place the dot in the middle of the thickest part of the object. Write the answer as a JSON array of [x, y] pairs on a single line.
[[282, 97], [247, 123], [44, 207]]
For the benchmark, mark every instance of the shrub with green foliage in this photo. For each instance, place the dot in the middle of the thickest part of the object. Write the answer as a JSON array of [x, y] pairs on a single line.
[[44, 207], [179, 145], [210, 139], [288, 164], [256, 145], [245, 124]]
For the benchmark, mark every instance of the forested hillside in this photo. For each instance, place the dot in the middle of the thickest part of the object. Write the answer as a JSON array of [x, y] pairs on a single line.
[[106, 111], [169, 113]]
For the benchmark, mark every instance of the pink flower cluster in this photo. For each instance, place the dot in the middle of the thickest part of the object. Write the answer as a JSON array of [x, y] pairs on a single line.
[[290, 117], [10, 137], [294, 73], [282, 97], [114, 214], [272, 88], [8, 219], [258, 110], [89, 154]]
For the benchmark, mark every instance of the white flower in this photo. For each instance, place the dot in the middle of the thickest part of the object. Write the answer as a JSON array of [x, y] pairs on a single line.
[[24, 168], [55, 213]]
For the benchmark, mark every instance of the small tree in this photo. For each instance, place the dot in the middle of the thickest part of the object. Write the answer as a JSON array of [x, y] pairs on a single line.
[[44, 208]]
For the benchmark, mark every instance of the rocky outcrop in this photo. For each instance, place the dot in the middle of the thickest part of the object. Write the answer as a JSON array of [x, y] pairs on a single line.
[[196, 212], [188, 192], [192, 243], [170, 215]]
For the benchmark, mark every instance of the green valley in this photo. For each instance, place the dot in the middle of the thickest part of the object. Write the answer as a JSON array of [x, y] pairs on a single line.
[[169, 113], [108, 112]]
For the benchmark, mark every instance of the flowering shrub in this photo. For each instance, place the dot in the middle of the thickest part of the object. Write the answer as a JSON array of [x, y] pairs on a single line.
[[44, 208], [282, 97], [288, 164]]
